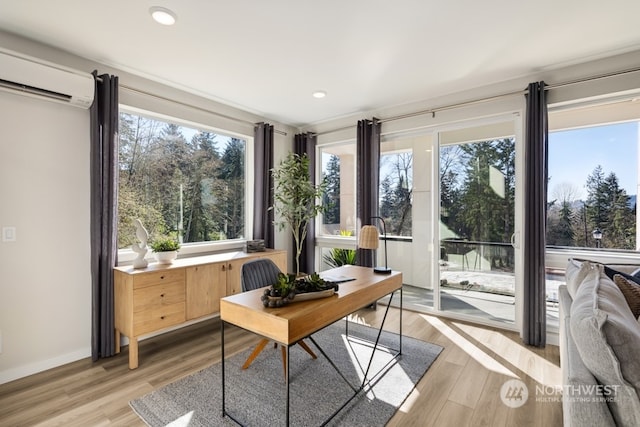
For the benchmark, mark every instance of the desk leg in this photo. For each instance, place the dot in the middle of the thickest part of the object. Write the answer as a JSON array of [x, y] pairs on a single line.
[[287, 381], [400, 320], [222, 365]]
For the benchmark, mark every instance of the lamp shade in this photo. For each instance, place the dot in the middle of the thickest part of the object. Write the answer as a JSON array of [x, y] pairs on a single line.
[[369, 237]]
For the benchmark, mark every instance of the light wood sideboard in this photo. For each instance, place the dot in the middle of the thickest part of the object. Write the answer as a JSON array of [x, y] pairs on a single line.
[[159, 297]]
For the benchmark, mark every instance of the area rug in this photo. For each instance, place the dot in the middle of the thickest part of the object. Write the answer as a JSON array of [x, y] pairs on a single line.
[[257, 396]]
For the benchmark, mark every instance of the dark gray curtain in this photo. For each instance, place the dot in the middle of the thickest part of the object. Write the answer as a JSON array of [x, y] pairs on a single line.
[[535, 205], [367, 170], [263, 184], [305, 143], [104, 212]]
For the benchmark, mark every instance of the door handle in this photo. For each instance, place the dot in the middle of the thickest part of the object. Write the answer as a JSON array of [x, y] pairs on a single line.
[[515, 240]]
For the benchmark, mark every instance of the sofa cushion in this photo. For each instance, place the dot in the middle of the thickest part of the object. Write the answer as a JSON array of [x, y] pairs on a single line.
[[580, 404], [575, 273], [631, 292], [607, 336]]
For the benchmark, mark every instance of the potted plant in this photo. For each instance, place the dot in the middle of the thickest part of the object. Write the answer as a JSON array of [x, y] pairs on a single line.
[[339, 256], [295, 198], [165, 249]]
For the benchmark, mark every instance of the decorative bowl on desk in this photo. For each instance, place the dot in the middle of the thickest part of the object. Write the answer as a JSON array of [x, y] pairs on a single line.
[[291, 289]]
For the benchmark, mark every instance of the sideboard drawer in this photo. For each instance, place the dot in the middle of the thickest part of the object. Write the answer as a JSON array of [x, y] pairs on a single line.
[[160, 295], [159, 317], [157, 277]]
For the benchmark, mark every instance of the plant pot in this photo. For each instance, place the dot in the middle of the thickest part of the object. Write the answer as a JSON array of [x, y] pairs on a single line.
[[166, 257]]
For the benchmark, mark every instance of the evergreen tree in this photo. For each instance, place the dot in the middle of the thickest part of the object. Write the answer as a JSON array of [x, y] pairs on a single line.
[[597, 200], [560, 226], [231, 190], [620, 231], [199, 219], [488, 216], [332, 195]]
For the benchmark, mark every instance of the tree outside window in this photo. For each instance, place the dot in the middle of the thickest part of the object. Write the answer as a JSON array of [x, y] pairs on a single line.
[[179, 181]]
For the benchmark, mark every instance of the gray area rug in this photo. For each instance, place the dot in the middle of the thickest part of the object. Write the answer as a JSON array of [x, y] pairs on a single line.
[[257, 396]]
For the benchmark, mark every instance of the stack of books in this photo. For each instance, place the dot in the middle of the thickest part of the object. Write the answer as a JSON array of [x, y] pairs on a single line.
[[255, 246]]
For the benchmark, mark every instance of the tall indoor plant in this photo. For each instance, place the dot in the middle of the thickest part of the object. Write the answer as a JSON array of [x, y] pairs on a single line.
[[295, 198]]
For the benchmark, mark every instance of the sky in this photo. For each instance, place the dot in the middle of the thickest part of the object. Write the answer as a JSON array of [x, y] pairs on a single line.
[[574, 154]]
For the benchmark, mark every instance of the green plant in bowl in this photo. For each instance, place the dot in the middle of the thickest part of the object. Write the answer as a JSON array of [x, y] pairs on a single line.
[[165, 244]]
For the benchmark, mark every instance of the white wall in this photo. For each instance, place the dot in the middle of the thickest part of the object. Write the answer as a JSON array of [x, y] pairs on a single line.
[[45, 283]]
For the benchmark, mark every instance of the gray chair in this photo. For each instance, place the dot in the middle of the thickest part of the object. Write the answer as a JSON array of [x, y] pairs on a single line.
[[257, 274]]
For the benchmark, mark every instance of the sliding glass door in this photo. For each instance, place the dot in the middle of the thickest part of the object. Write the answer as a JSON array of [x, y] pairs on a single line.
[[477, 195]]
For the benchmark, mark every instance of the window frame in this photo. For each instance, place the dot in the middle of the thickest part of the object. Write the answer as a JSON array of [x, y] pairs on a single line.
[[582, 116], [127, 255]]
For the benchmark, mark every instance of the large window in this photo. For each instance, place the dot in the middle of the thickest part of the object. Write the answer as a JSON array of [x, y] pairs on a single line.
[[181, 181], [593, 180]]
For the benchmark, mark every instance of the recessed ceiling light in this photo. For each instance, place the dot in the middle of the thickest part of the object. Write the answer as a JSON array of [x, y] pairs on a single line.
[[319, 94], [162, 15]]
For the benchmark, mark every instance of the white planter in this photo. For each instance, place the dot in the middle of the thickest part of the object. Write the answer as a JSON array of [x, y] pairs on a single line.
[[166, 257]]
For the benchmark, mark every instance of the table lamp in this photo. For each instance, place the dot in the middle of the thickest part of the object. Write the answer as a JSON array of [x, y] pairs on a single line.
[[370, 239]]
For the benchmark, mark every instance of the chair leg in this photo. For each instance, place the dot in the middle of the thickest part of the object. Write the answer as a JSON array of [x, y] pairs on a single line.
[[255, 353], [307, 349], [262, 344]]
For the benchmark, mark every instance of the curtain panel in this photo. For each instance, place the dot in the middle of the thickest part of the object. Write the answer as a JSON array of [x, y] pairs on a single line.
[[104, 212], [535, 205], [367, 171], [305, 143], [263, 184]]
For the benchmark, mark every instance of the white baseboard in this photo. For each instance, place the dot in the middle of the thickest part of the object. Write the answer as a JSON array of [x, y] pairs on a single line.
[[43, 365]]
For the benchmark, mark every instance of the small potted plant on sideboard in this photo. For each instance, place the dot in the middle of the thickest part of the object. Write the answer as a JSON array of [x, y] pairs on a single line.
[[165, 249]]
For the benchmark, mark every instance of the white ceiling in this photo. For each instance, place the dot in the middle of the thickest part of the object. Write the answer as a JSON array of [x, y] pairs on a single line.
[[267, 57]]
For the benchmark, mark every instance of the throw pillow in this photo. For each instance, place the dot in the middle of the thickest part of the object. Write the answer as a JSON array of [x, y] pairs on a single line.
[[610, 272], [631, 292], [575, 273]]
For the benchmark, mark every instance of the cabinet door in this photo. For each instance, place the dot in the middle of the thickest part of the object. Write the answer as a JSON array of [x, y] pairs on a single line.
[[206, 284], [280, 258], [234, 284]]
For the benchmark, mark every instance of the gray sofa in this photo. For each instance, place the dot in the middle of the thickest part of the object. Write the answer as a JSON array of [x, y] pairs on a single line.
[[599, 347]]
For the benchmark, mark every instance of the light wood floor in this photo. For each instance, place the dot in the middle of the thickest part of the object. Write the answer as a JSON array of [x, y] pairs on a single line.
[[462, 387]]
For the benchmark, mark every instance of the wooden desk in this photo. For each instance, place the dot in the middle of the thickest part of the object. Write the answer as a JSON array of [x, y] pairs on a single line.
[[295, 321]]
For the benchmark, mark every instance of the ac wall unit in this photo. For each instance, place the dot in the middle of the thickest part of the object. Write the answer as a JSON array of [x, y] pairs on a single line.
[[37, 78]]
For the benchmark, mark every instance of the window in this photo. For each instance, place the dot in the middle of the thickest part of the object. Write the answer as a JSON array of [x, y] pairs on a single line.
[[396, 184], [181, 181], [593, 181], [338, 169]]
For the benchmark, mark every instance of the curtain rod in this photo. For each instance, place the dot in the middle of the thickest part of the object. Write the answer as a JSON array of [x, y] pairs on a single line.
[[204, 110], [434, 110]]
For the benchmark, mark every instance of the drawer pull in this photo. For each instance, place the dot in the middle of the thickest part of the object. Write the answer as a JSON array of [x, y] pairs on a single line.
[[162, 277], [230, 266], [161, 317], [224, 267], [161, 295]]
